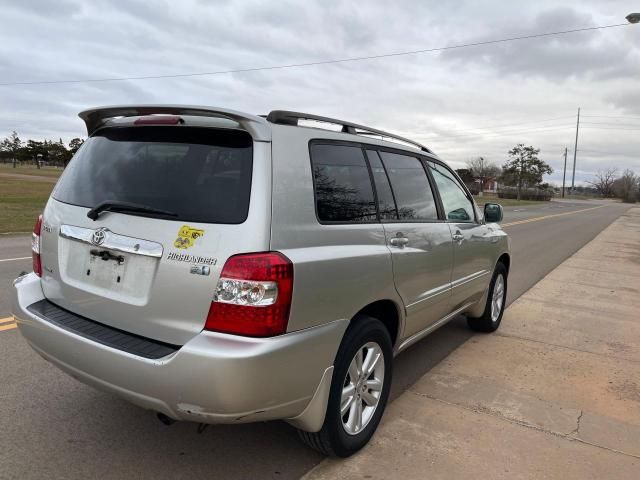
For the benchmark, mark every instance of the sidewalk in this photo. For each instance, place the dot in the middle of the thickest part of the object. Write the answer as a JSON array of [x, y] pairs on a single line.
[[555, 393]]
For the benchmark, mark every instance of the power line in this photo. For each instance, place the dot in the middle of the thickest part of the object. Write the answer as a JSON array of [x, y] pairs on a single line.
[[309, 64], [511, 130], [542, 120], [519, 131], [513, 124], [496, 134], [612, 116], [508, 125], [621, 126], [587, 125], [601, 152]]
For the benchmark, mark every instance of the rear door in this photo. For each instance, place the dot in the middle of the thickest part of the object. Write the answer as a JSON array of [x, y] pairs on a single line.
[[154, 272], [419, 241], [471, 238]]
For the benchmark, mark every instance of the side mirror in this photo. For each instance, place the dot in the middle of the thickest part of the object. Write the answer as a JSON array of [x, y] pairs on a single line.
[[493, 213]]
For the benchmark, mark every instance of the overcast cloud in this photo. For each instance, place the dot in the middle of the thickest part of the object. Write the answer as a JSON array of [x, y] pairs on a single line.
[[461, 103]]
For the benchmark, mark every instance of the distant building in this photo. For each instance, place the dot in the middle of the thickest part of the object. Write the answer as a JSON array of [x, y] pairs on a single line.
[[490, 184]]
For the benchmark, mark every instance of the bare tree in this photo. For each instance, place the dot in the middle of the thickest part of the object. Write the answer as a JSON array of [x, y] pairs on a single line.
[[626, 187], [482, 169], [603, 181]]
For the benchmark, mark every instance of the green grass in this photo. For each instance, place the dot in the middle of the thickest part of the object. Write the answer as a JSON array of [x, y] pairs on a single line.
[[53, 172], [21, 202], [506, 202]]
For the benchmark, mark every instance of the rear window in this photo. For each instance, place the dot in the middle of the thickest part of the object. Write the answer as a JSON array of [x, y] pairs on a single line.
[[342, 184], [200, 174]]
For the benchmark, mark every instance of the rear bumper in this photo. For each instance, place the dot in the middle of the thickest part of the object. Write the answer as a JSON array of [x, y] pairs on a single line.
[[213, 378]]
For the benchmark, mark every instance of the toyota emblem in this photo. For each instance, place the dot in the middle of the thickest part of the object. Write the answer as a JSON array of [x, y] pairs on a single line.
[[98, 236]]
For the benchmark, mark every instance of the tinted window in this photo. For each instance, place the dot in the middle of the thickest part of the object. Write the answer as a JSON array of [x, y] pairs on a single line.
[[200, 174], [386, 202], [342, 184], [457, 206], [410, 187]]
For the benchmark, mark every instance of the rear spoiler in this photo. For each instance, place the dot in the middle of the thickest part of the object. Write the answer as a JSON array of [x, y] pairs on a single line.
[[95, 118]]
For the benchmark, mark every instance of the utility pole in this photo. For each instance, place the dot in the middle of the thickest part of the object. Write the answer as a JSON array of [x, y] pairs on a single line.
[[575, 152], [481, 177], [564, 173]]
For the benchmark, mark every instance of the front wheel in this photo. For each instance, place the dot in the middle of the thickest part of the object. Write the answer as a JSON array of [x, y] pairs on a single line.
[[496, 300], [359, 390]]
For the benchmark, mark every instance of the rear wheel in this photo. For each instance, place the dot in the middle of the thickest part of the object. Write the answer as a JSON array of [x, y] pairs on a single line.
[[494, 308], [359, 390]]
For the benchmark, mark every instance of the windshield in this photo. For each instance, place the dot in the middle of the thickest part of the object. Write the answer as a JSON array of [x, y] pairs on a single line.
[[200, 174]]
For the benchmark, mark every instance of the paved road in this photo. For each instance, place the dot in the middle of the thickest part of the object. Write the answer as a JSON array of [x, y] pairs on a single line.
[[54, 427]]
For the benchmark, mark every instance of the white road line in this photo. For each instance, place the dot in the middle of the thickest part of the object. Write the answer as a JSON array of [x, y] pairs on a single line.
[[13, 259]]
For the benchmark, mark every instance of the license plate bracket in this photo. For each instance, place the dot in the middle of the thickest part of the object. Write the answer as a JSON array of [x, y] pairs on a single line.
[[106, 255], [105, 268]]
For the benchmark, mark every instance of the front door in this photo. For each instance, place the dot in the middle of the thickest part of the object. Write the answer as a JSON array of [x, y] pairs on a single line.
[[471, 238]]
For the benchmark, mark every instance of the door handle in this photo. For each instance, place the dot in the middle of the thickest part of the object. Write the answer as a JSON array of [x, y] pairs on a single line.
[[458, 237], [399, 240]]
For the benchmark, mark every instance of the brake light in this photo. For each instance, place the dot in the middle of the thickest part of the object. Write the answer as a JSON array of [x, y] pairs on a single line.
[[159, 120], [253, 295], [35, 247]]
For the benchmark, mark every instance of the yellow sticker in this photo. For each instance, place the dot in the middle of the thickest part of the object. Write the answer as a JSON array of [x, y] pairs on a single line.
[[187, 237]]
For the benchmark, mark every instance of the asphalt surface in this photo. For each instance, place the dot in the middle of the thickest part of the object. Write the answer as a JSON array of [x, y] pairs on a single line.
[[52, 426]]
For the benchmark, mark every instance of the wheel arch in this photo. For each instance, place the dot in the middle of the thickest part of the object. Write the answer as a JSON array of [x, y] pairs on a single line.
[[477, 309], [388, 313], [505, 259]]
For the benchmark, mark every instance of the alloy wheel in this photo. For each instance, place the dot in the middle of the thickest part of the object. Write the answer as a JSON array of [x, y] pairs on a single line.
[[497, 300], [362, 388]]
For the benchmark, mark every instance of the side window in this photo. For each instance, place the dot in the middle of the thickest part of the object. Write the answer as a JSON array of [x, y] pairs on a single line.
[[342, 184], [410, 184], [457, 206], [386, 202]]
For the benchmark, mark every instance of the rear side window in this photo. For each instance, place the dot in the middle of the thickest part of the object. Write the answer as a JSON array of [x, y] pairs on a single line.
[[411, 187], [342, 184], [200, 174]]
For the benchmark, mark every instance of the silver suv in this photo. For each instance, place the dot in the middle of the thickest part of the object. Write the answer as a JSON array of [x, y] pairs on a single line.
[[219, 267]]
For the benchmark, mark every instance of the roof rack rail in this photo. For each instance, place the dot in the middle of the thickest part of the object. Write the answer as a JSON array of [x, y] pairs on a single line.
[[284, 117]]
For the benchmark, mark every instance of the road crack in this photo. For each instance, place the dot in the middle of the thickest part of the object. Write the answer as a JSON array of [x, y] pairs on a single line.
[[576, 431]]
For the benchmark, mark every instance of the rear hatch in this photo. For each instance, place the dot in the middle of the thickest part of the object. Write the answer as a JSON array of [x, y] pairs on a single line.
[[177, 202]]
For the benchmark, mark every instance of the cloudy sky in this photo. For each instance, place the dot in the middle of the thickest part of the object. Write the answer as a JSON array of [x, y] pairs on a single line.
[[461, 103]]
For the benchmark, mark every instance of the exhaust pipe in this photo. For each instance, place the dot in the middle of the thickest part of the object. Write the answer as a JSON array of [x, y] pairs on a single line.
[[168, 421]]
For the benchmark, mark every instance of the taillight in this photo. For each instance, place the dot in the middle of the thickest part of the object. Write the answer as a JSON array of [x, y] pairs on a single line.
[[253, 295], [35, 247]]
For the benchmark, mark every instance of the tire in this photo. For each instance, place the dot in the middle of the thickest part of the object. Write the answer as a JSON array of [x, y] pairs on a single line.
[[489, 321], [370, 337]]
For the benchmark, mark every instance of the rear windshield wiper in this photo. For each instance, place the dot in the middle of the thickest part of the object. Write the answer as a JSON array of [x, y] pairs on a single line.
[[114, 206]]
